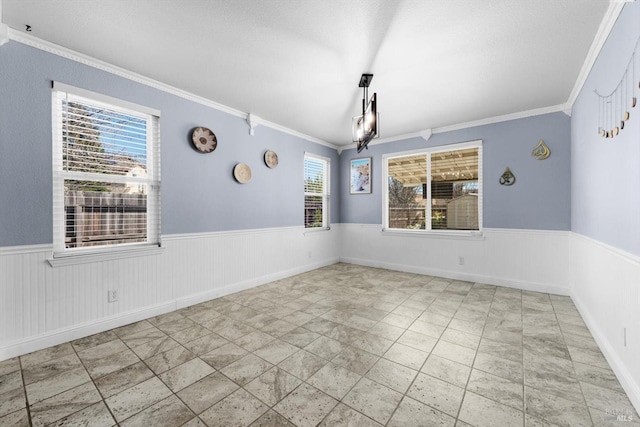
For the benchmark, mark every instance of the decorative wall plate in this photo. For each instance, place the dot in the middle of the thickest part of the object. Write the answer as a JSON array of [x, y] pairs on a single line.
[[271, 159], [242, 173], [204, 140]]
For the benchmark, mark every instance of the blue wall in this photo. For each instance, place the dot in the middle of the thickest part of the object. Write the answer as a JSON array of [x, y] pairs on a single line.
[[540, 198], [606, 172], [199, 193]]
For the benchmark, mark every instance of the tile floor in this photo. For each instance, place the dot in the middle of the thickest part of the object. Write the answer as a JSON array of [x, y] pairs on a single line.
[[342, 345]]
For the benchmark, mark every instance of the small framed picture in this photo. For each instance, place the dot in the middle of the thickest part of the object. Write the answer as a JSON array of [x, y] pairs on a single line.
[[360, 176]]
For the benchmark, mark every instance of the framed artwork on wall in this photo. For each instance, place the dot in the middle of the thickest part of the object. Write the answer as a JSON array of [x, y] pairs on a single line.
[[360, 176]]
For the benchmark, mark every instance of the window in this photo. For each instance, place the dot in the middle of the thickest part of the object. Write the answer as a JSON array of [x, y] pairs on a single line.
[[106, 175], [435, 189], [316, 191]]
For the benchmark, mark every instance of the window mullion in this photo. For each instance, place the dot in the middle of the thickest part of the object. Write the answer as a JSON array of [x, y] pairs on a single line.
[[427, 214]]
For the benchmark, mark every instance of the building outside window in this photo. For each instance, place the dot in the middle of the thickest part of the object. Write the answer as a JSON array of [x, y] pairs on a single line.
[[106, 173], [316, 191], [439, 188]]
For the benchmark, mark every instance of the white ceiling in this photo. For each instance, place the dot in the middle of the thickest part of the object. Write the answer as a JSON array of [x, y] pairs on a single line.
[[297, 63]]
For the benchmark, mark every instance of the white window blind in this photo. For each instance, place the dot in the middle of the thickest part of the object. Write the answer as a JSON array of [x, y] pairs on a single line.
[[106, 173], [316, 191], [435, 189]]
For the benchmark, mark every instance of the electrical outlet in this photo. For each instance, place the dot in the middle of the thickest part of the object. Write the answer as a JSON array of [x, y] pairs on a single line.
[[461, 260], [112, 295]]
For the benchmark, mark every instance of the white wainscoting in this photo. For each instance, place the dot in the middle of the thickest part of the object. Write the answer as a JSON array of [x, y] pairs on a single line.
[[42, 306], [534, 260], [606, 290]]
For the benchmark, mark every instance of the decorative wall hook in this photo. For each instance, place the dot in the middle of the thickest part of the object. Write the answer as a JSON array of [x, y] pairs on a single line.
[[541, 152], [507, 178]]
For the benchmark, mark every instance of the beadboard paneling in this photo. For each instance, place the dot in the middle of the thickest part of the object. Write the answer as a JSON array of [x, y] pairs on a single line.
[[42, 306], [526, 259]]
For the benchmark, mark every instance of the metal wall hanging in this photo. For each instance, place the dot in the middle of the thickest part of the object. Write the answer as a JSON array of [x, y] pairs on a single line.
[[507, 178], [613, 109], [541, 152], [204, 140]]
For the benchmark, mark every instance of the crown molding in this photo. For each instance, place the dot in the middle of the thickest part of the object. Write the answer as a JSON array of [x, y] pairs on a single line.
[[606, 25], [90, 61]]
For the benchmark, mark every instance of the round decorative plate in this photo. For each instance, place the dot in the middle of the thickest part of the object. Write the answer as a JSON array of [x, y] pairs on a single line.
[[204, 140], [271, 159], [242, 173]]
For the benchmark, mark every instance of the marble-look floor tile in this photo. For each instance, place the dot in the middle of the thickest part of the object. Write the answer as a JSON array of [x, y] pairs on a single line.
[[41, 356], [496, 388], [102, 350], [397, 320], [96, 415], [605, 399], [588, 357], [137, 398], [342, 415], [407, 356], [372, 344], [437, 394], [205, 344], [467, 326], [186, 374], [64, 404], [272, 386], [190, 334], [425, 328], [56, 384], [482, 412], [10, 382], [553, 375], [170, 412], [418, 341], [463, 339], [238, 409], [302, 364], [306, 406], [123, 379], [597, 376], [334, 380], [235, 331], [176, 326], [554, 409], [245, 369], [393, 375], [12, 401], [373, 399], [278, 327], [550, 344], [614, 417], [300, 337], [93, 340], [154, 347], [272, 419], [169, 359], [101, 367], [504, 368], [355, 360], [172, 316], [447, 370], [140, 337], [410, 412], [35, 373], [205, 393], [9, 366], [386, 330], [325, 347], [132, 328], [454, 352], [15, 419], [276, 351], [224, 355], [254, 340], [501, 350]]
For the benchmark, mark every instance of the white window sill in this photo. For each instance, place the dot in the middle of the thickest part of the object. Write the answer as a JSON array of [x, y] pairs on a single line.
[[315, 230], [85, 258], [439, 234]]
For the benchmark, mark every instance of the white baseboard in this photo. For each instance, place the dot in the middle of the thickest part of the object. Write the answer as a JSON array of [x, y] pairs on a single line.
[[459, 275]]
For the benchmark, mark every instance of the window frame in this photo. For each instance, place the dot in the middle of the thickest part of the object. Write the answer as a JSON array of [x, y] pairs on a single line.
[[65, 256], [428, 151], [326, 191]]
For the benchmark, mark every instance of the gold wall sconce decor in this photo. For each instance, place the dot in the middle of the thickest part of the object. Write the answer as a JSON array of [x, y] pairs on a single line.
[[507, 178], [541, 152]]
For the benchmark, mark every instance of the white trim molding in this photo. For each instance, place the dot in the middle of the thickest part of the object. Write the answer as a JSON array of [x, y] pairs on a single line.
[[72, 55]]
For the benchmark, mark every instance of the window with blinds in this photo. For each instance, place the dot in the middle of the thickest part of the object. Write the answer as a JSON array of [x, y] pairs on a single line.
[[435, 189], [316, 191], [106, 172]]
